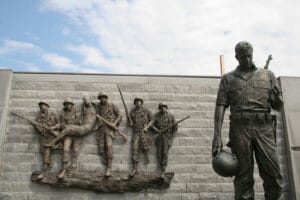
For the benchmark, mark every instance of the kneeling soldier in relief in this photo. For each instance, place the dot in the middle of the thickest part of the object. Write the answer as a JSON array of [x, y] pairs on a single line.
[[140, 117], [49, 119]]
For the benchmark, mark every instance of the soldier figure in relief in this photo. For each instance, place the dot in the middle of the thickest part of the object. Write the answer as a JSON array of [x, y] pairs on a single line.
[[49, 119], [68, 117], [109, 112], [164, 123], [250, 93], [140, 117]]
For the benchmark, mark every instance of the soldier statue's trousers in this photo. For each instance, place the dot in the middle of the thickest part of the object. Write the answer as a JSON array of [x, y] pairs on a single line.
[[249, 140], [105, 143], [163, 144], [138, 142]]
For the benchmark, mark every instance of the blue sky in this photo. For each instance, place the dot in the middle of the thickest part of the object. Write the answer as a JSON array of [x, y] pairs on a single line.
[[146, 37]]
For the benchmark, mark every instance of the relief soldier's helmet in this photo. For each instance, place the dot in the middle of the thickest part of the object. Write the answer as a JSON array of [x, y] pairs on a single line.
[[160, 105], [225, 164], [102, 94], [68, 100], [43, 103], [243, 46], [138, 99]]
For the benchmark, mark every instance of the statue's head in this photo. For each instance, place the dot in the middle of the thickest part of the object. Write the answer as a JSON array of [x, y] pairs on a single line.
[[103, 97], [43, 106], [68, 104], [86, 101], [138, 102], [244, 54], [163, 107]]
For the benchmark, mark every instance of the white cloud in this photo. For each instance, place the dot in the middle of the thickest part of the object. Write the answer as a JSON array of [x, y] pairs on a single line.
[[10, 46], [185, 37], [60, 62], [91, 55]]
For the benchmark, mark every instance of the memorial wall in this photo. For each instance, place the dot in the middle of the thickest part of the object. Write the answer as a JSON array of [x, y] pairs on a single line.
[[189, 156]]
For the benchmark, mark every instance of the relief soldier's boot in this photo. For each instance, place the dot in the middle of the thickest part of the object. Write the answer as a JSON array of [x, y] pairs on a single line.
[[63, 171], [134, 170], [147, 158], [41, 175], [163, 171], [108, 168], [74, 160]]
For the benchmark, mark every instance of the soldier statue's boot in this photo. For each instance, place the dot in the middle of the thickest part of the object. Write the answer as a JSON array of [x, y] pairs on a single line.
[[163, 171], [41, 175], [147, 158], [74, 160], [134, 170], [108, 168], [62, 173]]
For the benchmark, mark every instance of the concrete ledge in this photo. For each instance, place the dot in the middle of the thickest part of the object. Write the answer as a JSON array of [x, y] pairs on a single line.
[[5, 85]]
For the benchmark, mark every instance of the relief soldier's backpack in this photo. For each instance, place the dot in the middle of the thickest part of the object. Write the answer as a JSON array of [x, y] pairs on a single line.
[[225, 164]]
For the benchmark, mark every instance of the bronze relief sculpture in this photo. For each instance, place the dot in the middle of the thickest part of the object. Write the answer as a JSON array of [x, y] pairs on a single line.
[[251, 93]]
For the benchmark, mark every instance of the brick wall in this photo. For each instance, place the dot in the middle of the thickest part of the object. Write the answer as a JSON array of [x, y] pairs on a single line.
[[189, 157]]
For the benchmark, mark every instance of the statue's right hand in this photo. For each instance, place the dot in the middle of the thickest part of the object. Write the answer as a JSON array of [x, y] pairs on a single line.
[[217, 145]]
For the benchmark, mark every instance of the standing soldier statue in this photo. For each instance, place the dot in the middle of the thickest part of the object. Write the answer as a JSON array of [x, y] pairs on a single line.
[[109, 112], [251, 93], [164, 123], [140, 117], [68, 117], [49, 119]]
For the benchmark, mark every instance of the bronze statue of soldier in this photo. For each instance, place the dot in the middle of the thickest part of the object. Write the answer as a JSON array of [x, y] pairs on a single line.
[[48, 118], [110, 113], [68, 117], [140, 117], [87, 123], [251, 93], [164, 123]]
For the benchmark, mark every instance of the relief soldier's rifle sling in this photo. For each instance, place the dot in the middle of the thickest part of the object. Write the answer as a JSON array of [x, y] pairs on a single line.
[[274, 122], [268, 62], [35, 123], [112, 126], [124, 104]]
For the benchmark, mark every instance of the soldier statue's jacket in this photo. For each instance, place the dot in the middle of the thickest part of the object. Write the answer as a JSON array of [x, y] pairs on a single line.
[[48, 119], [140, 118], [249, 92], [67, 118], [162, 121], [109, 112]]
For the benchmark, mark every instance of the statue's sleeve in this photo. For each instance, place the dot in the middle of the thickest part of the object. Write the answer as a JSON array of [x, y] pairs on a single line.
[[222, 97]]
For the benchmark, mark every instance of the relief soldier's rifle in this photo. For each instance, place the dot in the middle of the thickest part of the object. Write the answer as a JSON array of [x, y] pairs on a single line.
[[170, 126], [112, 126], [35, 123], [268, 62], [124, 104]]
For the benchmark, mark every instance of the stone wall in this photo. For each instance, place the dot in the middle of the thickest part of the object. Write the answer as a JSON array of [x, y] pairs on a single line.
[[189, 157]]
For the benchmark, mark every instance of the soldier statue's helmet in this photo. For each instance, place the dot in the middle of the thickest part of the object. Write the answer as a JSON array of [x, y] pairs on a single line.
[[225, 164], [160, 105], [138, 99], [243, 47], [102, 94], [43, 103], [68, 100]]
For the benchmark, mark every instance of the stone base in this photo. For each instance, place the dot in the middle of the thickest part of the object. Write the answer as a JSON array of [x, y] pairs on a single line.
[[119, 182]]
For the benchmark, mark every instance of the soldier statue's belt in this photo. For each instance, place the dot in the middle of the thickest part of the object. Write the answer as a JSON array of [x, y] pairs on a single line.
[[257, 118]]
